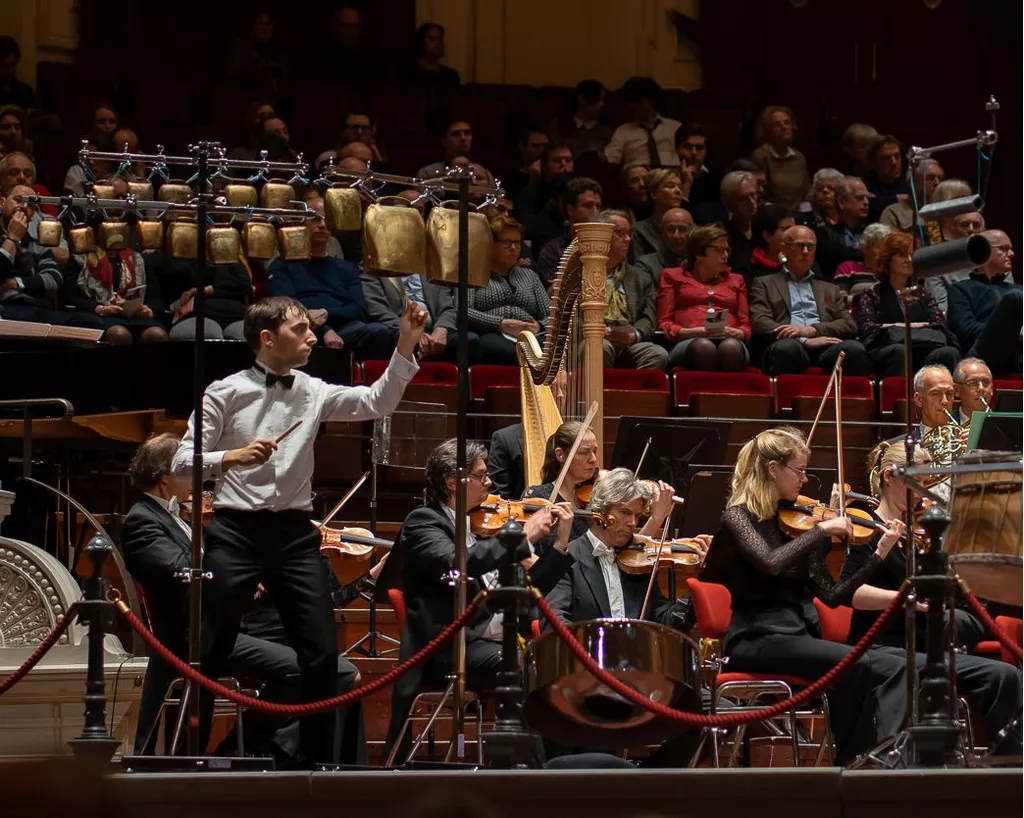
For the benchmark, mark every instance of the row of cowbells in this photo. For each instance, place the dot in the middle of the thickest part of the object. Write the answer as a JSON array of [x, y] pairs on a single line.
[[260, 240], [273, 194]]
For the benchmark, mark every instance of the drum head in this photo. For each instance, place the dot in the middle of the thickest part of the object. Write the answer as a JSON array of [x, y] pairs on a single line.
[[566, 704]]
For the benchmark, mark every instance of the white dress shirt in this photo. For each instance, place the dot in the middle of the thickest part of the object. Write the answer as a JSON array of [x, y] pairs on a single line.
[[242, 408], [605, 557], [171, 507], [629, 143], [488, 580]]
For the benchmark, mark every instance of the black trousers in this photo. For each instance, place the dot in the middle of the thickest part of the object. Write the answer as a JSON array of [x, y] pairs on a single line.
[[889, 359], [281, 550], [790, 357], [867, 704], [999, 342], [45, 315]]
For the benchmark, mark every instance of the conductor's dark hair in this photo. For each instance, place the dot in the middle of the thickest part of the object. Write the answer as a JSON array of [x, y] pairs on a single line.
[[442, 463]]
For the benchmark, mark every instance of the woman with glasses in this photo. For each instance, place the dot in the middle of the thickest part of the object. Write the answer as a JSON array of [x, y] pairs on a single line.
[[702, 306], [512, 301], [773, 580]]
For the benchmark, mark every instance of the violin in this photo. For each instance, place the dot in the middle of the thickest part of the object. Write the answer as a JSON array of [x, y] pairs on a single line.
[[804, 514], [488, 518], [585, 489], [640, 556], [351, 543], [185, 509]]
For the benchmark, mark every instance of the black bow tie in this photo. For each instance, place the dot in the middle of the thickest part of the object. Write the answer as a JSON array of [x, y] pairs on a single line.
[[286, 380]]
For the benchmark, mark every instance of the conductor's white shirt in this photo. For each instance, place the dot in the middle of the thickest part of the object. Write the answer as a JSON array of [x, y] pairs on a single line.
[[242, 408]]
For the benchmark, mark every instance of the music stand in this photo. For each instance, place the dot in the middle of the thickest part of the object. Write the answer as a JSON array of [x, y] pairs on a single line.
[[996, 431], [1009, 400], [675, 444], [400, 440]]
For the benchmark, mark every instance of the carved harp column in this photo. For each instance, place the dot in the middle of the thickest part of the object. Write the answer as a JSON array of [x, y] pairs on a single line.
[[594, 241]]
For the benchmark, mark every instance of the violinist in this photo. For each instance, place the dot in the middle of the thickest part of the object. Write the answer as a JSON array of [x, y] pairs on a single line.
[[596, 587], [992, 687], [425, 552], [773, 579]]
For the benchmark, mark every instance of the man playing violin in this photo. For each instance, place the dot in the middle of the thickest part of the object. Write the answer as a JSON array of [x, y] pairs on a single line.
[[596, 587], [423, 555]]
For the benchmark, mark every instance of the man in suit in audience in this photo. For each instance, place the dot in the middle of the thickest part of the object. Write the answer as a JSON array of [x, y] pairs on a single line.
[[157, 547], [803, 321], [676, 225]]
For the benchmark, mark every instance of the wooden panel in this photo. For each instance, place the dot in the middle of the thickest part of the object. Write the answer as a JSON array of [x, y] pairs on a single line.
[[854, 409], [731, 406], [340, 453]]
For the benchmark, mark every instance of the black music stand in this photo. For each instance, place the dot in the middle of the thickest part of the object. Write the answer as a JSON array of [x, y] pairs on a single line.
[[1009, 400], [1000, 431], [675, 444]]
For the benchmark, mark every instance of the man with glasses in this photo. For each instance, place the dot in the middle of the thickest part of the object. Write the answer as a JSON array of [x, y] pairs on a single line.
[[974, 387], [803, 320], [424, 555], [360, 127], [840, 242], [984, 309]]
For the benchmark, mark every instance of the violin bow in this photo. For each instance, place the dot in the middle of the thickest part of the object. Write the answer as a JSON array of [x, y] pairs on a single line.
[[824, 398], [572, 453], [840, 470], [643, 456], [657, 563], [348, 496]]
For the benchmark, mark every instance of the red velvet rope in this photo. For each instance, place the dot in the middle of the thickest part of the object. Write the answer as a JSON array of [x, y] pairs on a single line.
[[723, 719], [308, 708], [986, 619], [51, 639]]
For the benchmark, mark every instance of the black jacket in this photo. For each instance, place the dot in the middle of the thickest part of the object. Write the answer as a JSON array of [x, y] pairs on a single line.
[[505, 462], [581, 593]]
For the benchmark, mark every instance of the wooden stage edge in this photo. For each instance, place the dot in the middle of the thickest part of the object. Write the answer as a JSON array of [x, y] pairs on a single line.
[[820, 792]]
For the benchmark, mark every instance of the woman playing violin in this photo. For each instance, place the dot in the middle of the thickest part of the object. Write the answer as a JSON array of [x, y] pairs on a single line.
[[993, 688], [774, 578]]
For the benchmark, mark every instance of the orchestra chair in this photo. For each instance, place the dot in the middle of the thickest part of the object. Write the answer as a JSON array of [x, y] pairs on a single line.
[[1015, 629], [712, 605], [429, 704]]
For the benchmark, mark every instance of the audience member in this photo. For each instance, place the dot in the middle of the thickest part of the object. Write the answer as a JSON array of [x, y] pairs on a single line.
[[344, 55], [582, 130], [257, 112], [634, 190], [700, 183], [581, 201], [103, 123], [457, 140], [740, 199], [951, 229], [360, 129], [30, 278], [881, 313], [676, 225], [227, 290], [13, 131], [532, 143], [256, 56], [885, 180], [974, 388], [711, 212], [702, 306], [822, 199], [426, 68], [539, 204], [857, 141], [784, 166], [647, 138], [630, 315], [18, 168], [769, 224], [900, 214], [270, 133], [803, 320], [105, 279], [985, 310], [840, 242], [12, 90], [512, 301], [854, 277], [664, 191], [332, 291]]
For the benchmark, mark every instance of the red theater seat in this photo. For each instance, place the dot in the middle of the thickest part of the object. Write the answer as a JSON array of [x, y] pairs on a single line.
[[892, 389], [484, 376], [644, 380], [431, 372], [687, 383]]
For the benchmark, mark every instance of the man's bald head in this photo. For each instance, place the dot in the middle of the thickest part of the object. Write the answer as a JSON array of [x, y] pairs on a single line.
[[676, 225], [798, 246], [1001, 260], [357, 150]]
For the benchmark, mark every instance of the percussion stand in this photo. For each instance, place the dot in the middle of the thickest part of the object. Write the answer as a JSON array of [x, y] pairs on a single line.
[[510, 745]]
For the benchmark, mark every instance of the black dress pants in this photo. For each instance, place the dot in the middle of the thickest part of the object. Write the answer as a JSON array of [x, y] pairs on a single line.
[[867, 704], [281, 550], [790, 357]]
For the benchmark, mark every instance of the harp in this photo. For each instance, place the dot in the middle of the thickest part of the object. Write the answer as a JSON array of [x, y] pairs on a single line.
[[573, 343]]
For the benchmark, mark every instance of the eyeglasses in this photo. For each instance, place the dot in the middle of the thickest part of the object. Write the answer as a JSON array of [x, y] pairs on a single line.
[[803, 245], [622, 234], [483, 478], [977, 383], [359, 127], [718, 248], [510, 242], [795, 470]]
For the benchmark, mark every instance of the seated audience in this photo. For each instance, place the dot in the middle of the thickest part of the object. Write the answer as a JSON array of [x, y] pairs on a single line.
[[360, 129], [538, 205], [387, 297], [13, 131], [839, 242], [227, 291], [664, 191], [885, 181], [343, 53], [854, 277], [648, 138], [985, 310], [30, 277], [532, 142], [634, 190], [256, 57], [330, 288], [803, 320], [689, 297], [700, 183], [581, 201], [951, 229], [766, 230], [270, 133], [17, 168], [456, 136], [900, 214], [822, 199], [856, 142], [630, 315], [785, 167], [676, 225], [76, 177], [740, 198], [426, 68], [512, 301], [12, 90], [881, 313], [583, 130]]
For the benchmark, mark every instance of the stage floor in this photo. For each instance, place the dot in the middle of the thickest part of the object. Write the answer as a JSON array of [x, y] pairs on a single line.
[[60, 788]]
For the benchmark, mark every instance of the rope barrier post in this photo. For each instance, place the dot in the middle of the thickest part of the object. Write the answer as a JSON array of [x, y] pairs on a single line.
[[510, 744], [96, 746], [935, 734]]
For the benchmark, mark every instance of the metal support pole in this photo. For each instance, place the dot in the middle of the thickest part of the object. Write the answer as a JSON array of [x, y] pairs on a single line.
[[96, 746]]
